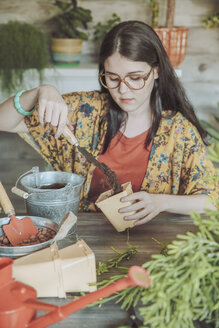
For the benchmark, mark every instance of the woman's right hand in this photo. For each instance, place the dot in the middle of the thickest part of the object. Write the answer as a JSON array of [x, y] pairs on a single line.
[[52, 108]]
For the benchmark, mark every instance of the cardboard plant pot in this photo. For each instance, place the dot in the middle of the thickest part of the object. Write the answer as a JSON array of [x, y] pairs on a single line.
[[53, 272], [110, 205]]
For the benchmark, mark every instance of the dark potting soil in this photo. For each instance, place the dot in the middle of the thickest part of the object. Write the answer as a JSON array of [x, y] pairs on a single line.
[[53, 186]]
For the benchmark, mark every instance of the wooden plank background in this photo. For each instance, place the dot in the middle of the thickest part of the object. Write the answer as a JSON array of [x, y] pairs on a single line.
[[16, 157]]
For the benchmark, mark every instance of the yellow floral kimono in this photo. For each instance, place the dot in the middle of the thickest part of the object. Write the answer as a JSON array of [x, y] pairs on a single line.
[[177, 164]]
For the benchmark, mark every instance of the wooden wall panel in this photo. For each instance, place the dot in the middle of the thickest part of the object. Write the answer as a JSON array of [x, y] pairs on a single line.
[[187, 12]]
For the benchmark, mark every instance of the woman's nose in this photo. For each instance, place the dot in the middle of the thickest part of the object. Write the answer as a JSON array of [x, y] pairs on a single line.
[[123, 87]]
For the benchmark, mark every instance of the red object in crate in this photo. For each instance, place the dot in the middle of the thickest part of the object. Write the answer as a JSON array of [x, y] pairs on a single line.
[[18, 302]]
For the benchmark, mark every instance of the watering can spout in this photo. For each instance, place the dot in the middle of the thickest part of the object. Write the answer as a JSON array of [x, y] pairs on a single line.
[[137, 276], [19, 302]]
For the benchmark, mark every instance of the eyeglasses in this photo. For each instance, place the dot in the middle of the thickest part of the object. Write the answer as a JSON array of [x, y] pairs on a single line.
[[132, 81]]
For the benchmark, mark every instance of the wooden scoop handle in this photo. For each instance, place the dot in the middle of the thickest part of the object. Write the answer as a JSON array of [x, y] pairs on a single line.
[[5, 201], [70, 136]]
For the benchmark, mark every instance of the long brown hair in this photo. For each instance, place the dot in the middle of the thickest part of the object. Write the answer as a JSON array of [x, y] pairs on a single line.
[[139, 42]]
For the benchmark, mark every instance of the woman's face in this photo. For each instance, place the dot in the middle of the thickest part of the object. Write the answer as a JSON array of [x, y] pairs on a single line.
[[130, 100]]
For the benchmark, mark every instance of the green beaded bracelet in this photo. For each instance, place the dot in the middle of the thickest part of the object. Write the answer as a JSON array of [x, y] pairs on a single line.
[[18, 107]]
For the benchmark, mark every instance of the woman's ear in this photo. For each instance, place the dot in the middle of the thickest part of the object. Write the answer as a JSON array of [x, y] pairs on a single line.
[[156, 74]]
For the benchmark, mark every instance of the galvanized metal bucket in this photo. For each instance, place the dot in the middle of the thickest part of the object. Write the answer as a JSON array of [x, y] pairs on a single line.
[[52, 204]]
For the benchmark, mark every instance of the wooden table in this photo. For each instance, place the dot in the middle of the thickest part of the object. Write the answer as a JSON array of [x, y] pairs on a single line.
[[100, 236]]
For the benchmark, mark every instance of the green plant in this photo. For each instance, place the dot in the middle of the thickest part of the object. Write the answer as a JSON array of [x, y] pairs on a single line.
[[101, 29], [213, 131], [71, 21], [154, 5], [211, 21], [170, 12], [114, 262], [22, 46]]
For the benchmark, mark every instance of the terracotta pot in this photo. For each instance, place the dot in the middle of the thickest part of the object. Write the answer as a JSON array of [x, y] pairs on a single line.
[[174, 40], [66, 52]]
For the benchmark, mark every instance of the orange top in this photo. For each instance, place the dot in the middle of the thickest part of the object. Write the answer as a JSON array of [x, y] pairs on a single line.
[[128, 158]]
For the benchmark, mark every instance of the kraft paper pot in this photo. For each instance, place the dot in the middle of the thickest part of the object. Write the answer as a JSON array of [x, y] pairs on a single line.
[[53, 272], [78, 268], [110, 206]]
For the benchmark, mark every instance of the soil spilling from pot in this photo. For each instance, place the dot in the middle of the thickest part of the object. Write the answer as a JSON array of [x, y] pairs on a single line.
[[111, 175]]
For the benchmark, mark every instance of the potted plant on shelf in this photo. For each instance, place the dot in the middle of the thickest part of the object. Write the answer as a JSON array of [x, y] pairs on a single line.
[[71, 24], [174, 38], [22, 47], [101, 29]]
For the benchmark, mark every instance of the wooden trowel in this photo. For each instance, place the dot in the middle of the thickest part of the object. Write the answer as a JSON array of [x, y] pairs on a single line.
[[16, 230], [111, 175]]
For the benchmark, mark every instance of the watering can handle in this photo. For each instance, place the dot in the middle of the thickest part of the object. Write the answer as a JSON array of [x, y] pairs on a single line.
[[137, 276]]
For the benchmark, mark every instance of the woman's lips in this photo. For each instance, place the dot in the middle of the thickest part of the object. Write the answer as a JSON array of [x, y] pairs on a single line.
[[126, 100]]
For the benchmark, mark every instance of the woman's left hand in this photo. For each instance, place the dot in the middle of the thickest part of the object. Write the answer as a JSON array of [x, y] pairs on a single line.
[[146, 206]]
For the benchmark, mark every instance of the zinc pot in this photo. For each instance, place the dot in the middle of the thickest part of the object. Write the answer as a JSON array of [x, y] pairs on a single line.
[[53, 204]]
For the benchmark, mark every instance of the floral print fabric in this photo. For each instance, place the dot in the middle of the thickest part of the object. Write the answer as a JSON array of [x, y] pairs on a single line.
[[177, 165]]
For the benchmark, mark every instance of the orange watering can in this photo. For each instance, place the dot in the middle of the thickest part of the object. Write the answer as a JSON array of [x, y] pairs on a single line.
[[19, 304]]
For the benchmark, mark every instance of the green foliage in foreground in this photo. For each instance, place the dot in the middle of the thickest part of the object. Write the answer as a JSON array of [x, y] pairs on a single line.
[[184, 284]]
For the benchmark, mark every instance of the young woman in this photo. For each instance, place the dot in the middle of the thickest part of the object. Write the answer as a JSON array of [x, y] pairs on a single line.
[[141, 125]]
